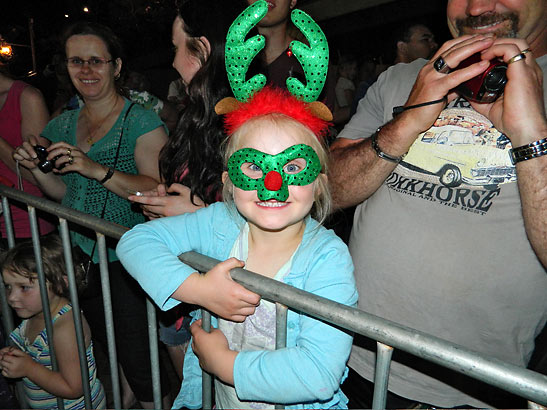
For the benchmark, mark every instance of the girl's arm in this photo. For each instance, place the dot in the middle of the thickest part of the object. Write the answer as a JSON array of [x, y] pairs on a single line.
[[67, 382], [150, 252], [312, 368]]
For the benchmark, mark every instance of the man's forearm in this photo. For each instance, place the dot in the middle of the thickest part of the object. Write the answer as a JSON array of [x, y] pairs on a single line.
[[532, 182], [356, 171]]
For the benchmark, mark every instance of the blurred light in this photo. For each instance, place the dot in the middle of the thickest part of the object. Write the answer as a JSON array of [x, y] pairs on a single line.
[[86, 10], [66, 15], [5, 49]]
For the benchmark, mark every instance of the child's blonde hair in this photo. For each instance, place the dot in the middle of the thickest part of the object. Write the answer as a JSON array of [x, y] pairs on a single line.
[[20, 259], [322, 203]]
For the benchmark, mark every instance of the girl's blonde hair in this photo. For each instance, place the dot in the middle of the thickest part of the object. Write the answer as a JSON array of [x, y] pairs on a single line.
[[20, 259], [322, 201]]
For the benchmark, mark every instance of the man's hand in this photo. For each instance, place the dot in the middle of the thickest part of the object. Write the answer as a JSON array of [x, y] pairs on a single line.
[[520, 112]]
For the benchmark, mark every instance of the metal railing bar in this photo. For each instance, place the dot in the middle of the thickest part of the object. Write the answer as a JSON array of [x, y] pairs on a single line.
[[92, 222], [514, 379], [76, 311], [381, 375], [206, 378], [281, 312], [511, 378], [109, 320], [10, 233], [7, 314], [43, 293], [154, 353]]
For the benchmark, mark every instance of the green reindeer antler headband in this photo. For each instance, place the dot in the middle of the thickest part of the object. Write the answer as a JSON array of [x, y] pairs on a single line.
[[240, 53]]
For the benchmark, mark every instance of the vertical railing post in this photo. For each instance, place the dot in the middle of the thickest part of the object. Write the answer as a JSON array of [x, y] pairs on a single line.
[[206, 378], [76, 311], [43, 293], [109, 320], [154, 353], [381, 376], [7, 315], [280, 332]]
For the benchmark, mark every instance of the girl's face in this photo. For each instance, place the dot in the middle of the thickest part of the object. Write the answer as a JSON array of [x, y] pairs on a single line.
[[186, 63], [272, 214], [23, 294], [94, 80]]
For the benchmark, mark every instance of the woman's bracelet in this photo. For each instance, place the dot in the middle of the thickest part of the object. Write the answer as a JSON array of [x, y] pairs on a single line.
[[108, 175], [528, 151]]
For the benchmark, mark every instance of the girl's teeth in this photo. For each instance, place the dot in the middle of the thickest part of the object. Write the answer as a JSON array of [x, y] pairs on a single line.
[[271, 204]]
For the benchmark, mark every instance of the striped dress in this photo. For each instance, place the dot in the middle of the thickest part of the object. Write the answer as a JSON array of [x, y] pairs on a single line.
[[38, 398]]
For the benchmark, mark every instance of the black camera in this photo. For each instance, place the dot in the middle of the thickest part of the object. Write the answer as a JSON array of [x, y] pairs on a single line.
[[487, 86], [44, 164]]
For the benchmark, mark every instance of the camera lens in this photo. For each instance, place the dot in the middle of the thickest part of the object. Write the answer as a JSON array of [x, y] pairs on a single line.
[[495, 80]]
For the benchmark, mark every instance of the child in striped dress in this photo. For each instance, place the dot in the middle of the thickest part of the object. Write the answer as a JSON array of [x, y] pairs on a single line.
[[30, 358]]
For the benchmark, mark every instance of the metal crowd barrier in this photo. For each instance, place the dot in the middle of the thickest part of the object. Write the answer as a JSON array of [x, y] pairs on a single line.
[[388, 335]]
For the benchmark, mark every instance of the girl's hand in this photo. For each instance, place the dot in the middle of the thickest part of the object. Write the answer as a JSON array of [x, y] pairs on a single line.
[[163, 201], [217, 292], [213, 351], [15, 363], [73, 159]]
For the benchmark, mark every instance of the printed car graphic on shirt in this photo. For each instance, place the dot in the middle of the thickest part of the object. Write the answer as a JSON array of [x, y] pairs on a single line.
[[462, 153]]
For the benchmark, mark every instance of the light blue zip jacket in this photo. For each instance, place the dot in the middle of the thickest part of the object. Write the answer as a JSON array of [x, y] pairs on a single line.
[[309, 371]]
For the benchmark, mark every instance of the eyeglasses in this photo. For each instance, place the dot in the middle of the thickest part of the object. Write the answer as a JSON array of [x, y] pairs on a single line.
[[93, 62]]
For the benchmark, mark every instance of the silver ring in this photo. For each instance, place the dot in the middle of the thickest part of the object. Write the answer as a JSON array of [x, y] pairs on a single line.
[[441, 67], [68, 151], [70, 159], [518, 57]]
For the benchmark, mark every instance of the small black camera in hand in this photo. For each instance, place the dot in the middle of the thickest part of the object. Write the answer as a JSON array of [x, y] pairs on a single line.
[[45, 165], [487, 86]]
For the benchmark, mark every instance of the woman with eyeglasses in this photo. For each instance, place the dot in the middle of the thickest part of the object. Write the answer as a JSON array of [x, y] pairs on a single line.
[[100, 154]]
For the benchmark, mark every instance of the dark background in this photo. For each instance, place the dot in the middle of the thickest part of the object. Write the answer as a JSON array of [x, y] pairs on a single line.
[[358, 27]]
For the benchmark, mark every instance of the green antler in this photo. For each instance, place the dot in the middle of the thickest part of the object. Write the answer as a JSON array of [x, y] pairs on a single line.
[[314, 59], [240, 53]]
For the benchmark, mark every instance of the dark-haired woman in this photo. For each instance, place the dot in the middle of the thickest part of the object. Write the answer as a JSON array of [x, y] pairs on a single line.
[[191, 161], [104, 149]]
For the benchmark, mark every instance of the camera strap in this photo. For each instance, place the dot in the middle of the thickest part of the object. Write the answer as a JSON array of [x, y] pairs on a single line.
[[113, 167], [19, 177], [399, 109]]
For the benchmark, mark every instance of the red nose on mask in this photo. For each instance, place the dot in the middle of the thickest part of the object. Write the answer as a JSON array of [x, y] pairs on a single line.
[[273, 181]]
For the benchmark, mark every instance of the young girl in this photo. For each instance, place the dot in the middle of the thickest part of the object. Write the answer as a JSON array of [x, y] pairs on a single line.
[[274, 183], [31, 358]]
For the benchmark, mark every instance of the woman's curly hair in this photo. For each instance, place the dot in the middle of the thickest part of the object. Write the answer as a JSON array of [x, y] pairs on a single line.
[[192, 156]]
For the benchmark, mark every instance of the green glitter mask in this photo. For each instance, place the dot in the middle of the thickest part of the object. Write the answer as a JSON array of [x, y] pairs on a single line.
[[274, 181]]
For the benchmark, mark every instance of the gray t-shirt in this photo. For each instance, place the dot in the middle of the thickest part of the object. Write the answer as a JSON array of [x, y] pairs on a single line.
[[441, 246]]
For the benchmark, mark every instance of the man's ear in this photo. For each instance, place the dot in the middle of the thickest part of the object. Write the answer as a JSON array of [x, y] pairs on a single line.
[[206, 46], [401, 47], [293, 4]]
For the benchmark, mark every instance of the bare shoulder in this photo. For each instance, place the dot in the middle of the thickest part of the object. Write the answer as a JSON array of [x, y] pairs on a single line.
[[32, 96], [66, 330]]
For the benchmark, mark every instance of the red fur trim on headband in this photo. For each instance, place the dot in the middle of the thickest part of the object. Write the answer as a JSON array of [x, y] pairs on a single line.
[[274, 100]]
